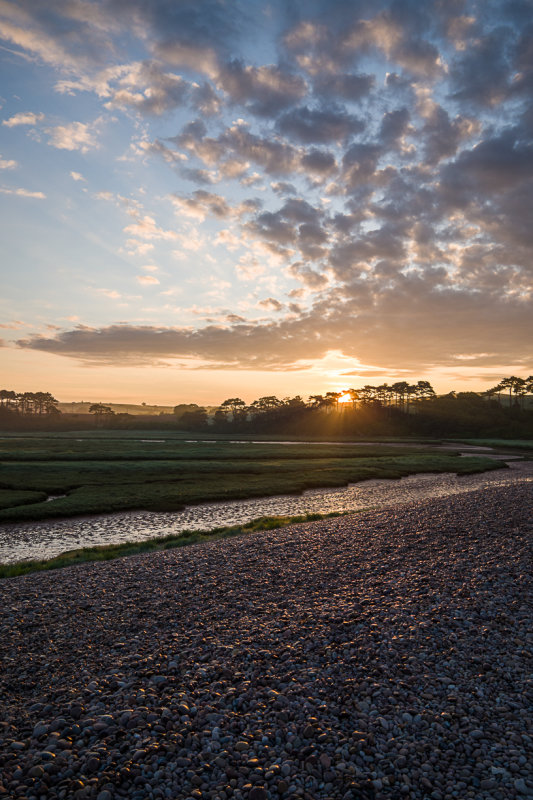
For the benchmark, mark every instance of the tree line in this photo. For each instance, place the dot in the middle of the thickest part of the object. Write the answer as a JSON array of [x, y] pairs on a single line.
[[401, 395], [28, 403], [401, 408], [518, 387]]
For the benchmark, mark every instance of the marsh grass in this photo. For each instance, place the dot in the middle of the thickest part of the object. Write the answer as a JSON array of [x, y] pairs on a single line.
[[112, 551], [107, 473], [112, 449], [513, 444], [10, 498]]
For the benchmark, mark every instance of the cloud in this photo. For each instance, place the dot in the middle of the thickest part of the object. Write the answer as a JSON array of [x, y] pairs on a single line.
[[266, 90], [394, 125], [23, 118], [494, 165], [8, 163], [148, 88], [282, 188], [145, 227], [443, 136], [238, 144], [271, 304], [13, 325], [74, 136], [348, 86], [319, 125], [205, 99], [390, 145], [76, 176], [407, 326], [202, 204], [319, 162], [23, 193], [147, 280], [481, 73]]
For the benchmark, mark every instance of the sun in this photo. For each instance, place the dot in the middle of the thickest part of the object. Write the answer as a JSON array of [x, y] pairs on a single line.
[[345, 398]]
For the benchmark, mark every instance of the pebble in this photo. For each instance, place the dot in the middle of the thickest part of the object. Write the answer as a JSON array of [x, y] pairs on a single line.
[[381, 655]]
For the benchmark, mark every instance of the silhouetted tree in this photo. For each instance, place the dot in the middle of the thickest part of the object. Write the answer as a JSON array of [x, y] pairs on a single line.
[[194, 420], [101, 410], [236, 407]]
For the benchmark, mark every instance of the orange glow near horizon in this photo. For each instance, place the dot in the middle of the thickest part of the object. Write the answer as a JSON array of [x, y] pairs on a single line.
[[345, 398]]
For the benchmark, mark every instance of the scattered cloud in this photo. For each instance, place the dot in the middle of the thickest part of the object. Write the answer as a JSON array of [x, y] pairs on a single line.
[[145, 227], [147, 280], [23, 118], [362, 173], [320, 125], [8, 163], [74, 136], [23, 193]]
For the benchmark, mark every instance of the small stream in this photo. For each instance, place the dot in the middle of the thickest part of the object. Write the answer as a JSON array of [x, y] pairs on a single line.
[[49, 538]]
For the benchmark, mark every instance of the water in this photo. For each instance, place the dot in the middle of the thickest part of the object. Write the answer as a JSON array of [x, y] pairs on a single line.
[[50, 538]]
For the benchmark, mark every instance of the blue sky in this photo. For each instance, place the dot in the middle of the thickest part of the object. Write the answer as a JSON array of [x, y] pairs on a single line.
[[202, 199]]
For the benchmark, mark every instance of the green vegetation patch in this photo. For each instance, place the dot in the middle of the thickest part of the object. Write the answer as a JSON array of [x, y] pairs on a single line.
[[109, 552], [112, 449], [12, 497], [103, 486], [514, 444]]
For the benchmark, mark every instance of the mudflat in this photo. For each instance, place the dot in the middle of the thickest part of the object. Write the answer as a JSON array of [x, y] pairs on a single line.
[[385, 654]]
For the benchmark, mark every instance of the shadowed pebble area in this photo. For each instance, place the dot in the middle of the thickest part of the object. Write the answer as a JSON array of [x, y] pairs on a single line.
[[382, 655]]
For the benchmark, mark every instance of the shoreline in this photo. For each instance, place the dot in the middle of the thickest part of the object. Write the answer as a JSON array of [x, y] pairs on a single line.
[[383, 654], [88, 537]]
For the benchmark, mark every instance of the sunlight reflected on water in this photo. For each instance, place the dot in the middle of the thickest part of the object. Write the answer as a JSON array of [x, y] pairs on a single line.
[[48, 539]]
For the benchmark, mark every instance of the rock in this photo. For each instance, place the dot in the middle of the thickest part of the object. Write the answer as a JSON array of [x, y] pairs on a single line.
[[258, 793], [36, 772], [312, 662]]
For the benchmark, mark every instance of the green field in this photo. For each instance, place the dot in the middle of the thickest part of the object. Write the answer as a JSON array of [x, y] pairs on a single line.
[[106, 473], [506, 444]]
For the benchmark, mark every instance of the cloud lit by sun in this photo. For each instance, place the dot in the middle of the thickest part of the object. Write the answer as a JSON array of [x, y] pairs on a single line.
[[342, 190]]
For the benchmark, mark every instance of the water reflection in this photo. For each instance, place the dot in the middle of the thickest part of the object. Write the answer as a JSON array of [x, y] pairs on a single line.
[[47, 539]]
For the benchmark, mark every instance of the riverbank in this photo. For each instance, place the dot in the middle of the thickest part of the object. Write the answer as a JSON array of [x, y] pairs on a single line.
[[378, 655], [94, 476], [101, 536]]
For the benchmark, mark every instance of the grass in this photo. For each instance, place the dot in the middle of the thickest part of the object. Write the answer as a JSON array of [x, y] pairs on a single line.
[[109, 552], [96, 486], [518, 444], [155, 449], [10, 498], [109, 473]]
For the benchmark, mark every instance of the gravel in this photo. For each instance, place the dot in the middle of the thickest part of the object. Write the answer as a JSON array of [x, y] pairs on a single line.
[[382, 655]]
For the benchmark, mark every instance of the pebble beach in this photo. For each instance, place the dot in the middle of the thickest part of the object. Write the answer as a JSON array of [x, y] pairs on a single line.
[[386, 654]]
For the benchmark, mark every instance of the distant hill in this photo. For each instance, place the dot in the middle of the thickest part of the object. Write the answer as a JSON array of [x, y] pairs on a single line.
[[118, 408], [129, 408]]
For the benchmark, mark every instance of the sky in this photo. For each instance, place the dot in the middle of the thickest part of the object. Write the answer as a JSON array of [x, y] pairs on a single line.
[[203, 199]]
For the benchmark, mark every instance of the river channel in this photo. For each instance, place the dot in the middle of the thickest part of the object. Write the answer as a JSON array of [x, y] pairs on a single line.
[[39, 540]]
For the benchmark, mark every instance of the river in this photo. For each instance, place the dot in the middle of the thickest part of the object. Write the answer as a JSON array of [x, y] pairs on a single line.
[[39, 540]]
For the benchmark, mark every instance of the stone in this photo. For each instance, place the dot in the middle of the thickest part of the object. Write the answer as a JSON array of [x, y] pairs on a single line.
[[258, 793]]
